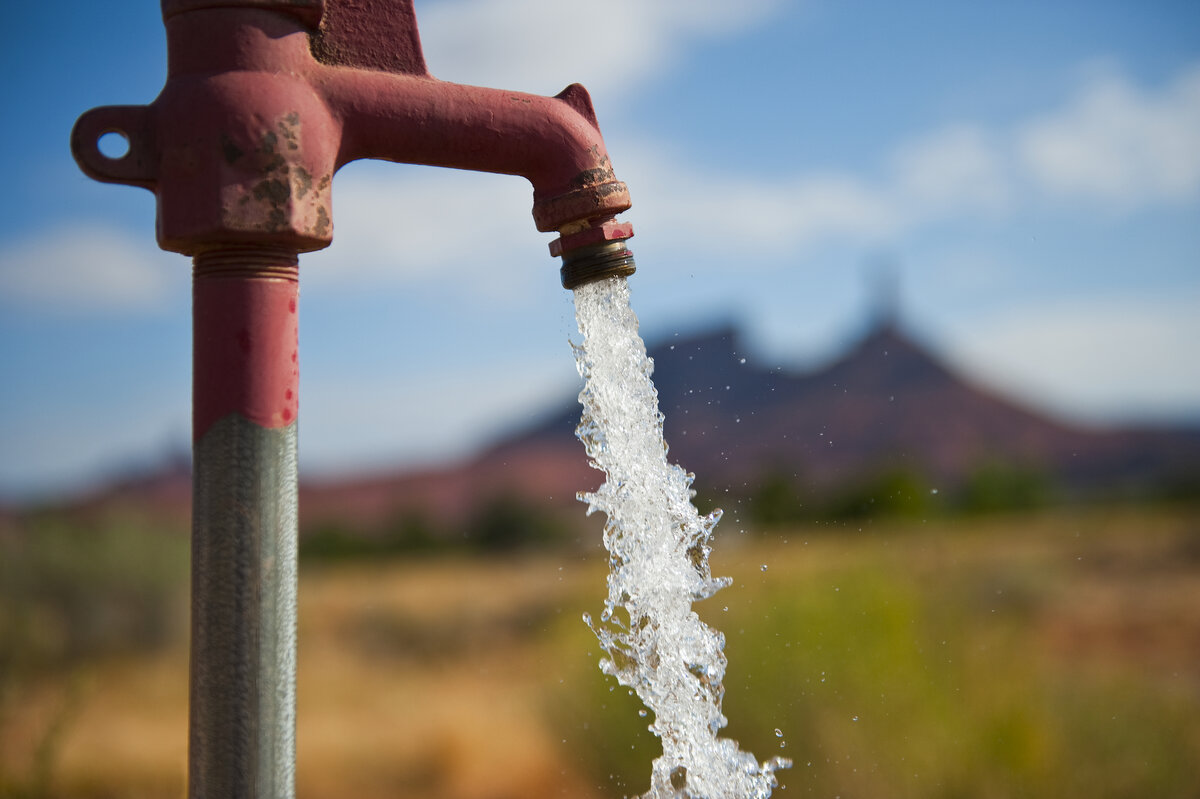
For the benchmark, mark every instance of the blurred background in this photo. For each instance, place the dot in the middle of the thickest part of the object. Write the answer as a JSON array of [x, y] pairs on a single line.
[[921, 285]]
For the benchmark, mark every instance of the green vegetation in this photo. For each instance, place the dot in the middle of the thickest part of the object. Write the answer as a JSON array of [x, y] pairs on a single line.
[[408, 534], [778, 501], [938, 655], [72, 593], [941, 663], [500, 525], [72, 590], [997, 487], [890, 494], [506, 524], [899, 493]]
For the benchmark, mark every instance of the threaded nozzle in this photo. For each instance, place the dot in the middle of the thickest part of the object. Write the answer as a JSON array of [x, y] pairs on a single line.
[[596, 262]]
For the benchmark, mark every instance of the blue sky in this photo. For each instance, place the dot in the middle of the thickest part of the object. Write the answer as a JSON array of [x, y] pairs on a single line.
[[1030, 170]]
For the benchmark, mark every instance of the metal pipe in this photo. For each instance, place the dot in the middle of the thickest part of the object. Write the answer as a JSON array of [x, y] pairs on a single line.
[[244, 524]]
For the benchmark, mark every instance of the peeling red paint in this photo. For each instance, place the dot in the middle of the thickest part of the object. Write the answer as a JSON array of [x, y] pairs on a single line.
[[244, 330]]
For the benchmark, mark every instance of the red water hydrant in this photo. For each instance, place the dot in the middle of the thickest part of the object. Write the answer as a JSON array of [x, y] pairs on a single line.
[[264, 101]]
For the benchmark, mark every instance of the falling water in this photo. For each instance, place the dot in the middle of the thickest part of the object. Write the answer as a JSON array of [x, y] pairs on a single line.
[[658, 547]]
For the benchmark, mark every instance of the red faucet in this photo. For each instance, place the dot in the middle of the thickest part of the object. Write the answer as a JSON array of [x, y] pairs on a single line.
[[264, 101]]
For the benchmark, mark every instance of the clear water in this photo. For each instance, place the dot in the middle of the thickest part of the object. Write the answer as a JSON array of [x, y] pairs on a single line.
[[658, 546]]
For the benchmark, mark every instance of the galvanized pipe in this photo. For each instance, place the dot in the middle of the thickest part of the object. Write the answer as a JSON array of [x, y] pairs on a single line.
[[244, 525]]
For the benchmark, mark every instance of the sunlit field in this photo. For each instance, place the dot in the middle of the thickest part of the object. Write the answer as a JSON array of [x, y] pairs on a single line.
[[1052, 655]]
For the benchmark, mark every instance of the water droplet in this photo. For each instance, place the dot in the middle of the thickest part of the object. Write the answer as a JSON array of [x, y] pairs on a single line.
[[642, 713], [763, 567], [742, 360], [778, 733], [933, 491], [854, 719]]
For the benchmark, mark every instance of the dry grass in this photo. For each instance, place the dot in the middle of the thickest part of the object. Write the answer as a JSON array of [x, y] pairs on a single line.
[[458, 679]]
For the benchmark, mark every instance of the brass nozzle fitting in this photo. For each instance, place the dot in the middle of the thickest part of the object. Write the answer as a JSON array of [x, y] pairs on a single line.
[[594, 252], [596, 262]]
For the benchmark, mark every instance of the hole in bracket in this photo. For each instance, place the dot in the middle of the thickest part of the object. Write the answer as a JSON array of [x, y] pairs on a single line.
[[113, 145]]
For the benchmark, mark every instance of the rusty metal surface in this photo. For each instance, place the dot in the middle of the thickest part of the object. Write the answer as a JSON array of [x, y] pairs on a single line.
[[596, 262], [246, 147], [138, 167], [547, 140], [243, 141], [597, 233], [308, 11], [242, 717], [372, 34]]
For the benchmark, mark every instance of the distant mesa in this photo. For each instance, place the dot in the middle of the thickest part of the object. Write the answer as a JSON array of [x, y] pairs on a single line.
[[885, 406]]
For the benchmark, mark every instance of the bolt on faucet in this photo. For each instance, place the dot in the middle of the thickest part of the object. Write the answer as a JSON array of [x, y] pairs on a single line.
[[264, 100]]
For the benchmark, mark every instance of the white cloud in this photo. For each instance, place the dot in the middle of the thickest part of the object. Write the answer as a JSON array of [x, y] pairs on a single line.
[[944, 175], [1118, 143], [87, 267], [409, 224], [1105, 358], [692, 210], [1125, 145], [950, 170], [420, 227], [609, 47]]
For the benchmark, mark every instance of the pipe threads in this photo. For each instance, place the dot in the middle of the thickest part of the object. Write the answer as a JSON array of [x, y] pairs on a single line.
[[596, 262], [247, 262]]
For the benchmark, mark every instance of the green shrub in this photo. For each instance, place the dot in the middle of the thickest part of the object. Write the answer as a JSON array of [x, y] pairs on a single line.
[[891, 676], [73, 590], [508, 524], [407, 534], [997, 487], [890, 494], [777, 500]]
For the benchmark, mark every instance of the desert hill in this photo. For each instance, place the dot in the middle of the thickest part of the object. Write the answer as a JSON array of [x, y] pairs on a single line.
[[886, 404]]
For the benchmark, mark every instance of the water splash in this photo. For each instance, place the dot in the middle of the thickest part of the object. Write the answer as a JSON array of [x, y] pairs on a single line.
[[658, 547]]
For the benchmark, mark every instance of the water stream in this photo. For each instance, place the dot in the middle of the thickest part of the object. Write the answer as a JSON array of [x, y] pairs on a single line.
[[658, 547]]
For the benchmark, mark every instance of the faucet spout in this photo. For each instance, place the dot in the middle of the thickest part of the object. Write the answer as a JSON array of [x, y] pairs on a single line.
[[554, 142]]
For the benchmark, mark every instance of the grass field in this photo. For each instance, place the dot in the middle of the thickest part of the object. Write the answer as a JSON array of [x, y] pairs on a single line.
[[1036, 656]]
